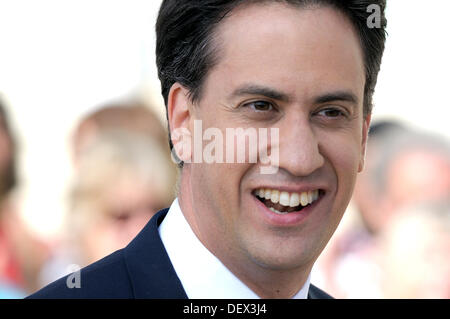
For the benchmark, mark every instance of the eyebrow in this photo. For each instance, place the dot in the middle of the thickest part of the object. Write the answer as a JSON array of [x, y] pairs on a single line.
[[345, 96], [254, 89]]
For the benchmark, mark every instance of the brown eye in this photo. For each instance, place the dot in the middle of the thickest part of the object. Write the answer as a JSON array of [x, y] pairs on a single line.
[[331, 112], [260, 106]]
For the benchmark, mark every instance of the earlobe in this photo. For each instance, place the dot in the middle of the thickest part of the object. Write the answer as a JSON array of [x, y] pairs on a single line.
[[179, 116], [365, 132]]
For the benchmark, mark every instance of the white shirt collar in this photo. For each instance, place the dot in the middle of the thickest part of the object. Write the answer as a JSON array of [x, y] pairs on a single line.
[[202, 274]]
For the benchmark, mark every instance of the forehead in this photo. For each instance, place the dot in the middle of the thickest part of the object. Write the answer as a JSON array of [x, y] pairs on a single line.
[[317, 45]]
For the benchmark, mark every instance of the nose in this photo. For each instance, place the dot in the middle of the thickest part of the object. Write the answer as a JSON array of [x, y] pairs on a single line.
[[299, 151]]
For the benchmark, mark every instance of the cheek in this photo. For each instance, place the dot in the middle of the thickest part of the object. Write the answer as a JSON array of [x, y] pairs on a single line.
[[343, 152], [346, 158], [221, 183]]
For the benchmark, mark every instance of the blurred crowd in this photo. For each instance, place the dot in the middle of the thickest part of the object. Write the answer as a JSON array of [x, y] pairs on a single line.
[[123, 175], [393, 242]]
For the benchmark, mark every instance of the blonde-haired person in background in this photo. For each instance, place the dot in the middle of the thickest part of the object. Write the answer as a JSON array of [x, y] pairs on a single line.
[[123, 175], [128, 115]]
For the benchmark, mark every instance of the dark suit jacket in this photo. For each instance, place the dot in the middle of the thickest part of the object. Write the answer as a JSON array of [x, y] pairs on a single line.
[[140, 270]]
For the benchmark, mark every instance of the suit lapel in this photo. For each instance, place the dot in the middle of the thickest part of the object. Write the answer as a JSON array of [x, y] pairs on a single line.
[[149, 268], [316, 293]]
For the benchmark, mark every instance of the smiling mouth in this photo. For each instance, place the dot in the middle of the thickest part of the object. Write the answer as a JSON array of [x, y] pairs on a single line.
[[282, 202]]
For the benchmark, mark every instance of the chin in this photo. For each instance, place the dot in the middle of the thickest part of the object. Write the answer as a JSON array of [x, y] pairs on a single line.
[[290, 257]]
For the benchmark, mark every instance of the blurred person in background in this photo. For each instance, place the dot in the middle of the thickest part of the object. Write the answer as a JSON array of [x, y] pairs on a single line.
[[415, 246], [11, 279], [369, 189], [22, 253], [123, 176], [129, 116], [403, 166], [418, 170]]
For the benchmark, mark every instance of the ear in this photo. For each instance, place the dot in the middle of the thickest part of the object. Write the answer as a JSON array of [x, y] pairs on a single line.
[[179, 113], [365, 132]]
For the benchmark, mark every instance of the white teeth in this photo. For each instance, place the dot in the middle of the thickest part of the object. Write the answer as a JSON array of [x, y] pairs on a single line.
[[284, 198], [294, 200], [277, 211], [310, 200], [288, 199], [275, 197], [261, 193], [315, 195], [304, 199]]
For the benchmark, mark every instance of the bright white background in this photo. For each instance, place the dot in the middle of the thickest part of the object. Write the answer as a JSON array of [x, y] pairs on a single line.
[[60, 59]]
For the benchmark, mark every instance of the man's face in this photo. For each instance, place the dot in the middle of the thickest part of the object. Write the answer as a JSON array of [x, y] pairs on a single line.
[[300, 71]]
